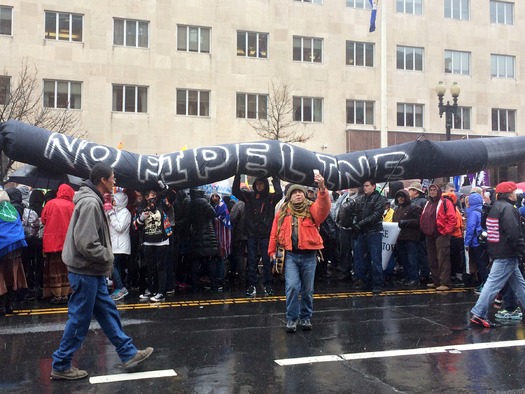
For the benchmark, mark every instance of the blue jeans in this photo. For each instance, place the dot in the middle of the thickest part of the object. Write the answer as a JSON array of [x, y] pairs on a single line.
[[407, 253], [370, 259], [503, 271], [258, 247], [299, 274], [118, 264], [90, 298]]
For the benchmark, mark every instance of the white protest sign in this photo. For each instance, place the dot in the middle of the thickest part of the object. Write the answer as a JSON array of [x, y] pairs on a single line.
[[390, 234]]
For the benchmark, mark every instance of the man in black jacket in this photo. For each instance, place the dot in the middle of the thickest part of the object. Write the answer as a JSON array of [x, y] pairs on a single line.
[[505, 245], [368, 266], [259, 212]]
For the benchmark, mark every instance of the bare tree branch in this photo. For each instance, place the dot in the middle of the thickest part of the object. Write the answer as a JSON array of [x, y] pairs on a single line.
[[24, 102], [279, 123]]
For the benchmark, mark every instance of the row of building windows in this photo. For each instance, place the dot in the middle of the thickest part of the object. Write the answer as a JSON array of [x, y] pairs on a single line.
[[501, 12], [130, 98], [134, 33]]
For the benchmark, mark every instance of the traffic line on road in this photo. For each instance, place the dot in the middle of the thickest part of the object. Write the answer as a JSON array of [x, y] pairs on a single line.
[[241, 300], [453, 349], [132, 376]]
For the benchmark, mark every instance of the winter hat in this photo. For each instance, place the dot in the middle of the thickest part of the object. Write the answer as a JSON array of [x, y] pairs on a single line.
[[295, 187], [416, 186], [476, 189], [506, 187]]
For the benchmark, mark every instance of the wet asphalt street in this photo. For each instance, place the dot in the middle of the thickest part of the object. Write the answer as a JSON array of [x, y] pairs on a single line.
[[402, 341]]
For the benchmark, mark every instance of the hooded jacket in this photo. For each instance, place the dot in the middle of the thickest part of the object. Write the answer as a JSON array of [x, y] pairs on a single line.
[[260, 206], [407, 216], [87, 248], [435, 220], [119, 223], [15, 197], [309, 237], [55, 218], [201, 219], [505, 234], [473, 220]]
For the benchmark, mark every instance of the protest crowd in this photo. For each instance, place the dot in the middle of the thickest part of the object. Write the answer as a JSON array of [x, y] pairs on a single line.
[[166, 242]]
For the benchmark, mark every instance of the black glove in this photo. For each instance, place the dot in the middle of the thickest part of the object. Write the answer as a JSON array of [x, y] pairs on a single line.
[[356, 228], [402, 223]]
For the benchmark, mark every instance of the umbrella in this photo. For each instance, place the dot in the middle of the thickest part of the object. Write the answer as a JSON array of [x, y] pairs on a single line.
[[41, 178], [521, 185]]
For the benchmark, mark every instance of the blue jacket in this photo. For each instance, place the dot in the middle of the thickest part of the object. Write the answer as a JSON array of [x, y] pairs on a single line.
[[473, 220]]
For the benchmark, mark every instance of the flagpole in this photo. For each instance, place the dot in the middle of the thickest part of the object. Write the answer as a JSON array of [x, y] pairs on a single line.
[[384, 81]]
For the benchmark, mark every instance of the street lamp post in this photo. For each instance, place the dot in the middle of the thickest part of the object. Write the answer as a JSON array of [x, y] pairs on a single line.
[[448, 109]]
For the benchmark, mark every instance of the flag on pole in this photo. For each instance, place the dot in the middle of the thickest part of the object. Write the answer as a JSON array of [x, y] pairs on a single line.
[[373, 4]]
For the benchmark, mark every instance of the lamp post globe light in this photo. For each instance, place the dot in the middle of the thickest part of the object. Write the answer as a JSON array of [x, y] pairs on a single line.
[[448, 109]]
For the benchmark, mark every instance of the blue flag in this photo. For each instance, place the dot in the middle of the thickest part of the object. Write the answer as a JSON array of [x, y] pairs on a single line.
[[373, 4]]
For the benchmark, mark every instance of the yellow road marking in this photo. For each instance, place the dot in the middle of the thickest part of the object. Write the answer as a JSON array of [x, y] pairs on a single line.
[[243, 300]]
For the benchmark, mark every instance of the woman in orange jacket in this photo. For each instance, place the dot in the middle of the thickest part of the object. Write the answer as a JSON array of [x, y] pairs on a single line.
[[296, 228]]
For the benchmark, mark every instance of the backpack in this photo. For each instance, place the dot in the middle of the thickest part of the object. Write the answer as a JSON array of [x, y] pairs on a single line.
[[31, 223], [460, 223]]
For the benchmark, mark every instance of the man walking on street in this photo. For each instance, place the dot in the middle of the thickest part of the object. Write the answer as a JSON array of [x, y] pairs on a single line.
[[505, 244], [88, 255]]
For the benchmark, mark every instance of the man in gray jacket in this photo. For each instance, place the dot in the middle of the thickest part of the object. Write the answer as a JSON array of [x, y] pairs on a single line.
[[89, 258]]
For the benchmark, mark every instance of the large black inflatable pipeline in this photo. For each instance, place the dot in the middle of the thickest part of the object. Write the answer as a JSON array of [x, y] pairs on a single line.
[[200, 166]]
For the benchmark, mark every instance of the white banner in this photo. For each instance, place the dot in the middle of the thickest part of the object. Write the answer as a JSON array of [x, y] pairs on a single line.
[[390, 234]]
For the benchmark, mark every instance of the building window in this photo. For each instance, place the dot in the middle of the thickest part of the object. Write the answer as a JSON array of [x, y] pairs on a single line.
[[62, 94], [502, 66], [193, 102], [64, 27], [6, 20], [129, 98], [307, 109], [462, 120], [409, 58], [130, 33], [359, 112], [457, 62], [193, 39], [252, 106], [410, 6], [311, 1], [503, 119], [457, 9], [306, 49], [252, 44], [409, 115], [359, 54], [5, 89], [501, 12], [358, 3]]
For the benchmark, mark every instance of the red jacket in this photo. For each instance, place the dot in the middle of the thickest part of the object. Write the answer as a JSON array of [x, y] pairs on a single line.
[[308, 236], [55, 218]]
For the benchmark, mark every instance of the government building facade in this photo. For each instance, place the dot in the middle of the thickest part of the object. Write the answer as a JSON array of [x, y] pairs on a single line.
[[156, 76]]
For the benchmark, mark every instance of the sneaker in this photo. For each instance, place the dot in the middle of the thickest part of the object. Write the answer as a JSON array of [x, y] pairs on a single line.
[[109, 282], [498, 301], [121, 293], [183, 285], [159, 297], [69, 374], [146, 296], [268, 291], [305, 324], [170, 292], [140, 356], [478, 290], [251, 291], [443, 288], [509, 315], [291, 326], [431, 285], [479, 321]]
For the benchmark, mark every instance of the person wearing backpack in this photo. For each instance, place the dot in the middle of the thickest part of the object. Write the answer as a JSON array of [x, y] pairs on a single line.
[[438, 223]]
